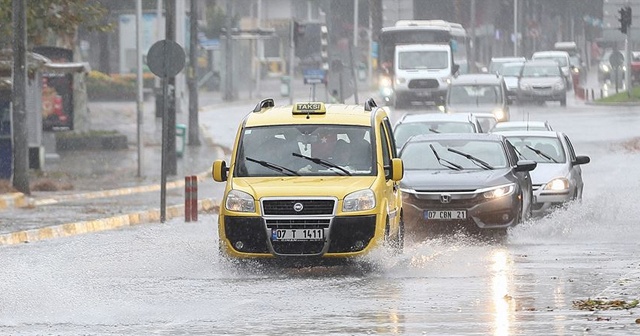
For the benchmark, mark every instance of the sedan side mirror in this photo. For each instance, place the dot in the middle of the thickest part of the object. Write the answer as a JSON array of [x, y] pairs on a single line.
[[526, 165], [582, 159]]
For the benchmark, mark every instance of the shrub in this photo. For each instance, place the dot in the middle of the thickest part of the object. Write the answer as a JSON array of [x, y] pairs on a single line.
[[101, 86]]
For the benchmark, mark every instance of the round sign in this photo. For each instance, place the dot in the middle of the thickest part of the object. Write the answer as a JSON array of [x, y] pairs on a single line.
[[166, 58], [616, 59]]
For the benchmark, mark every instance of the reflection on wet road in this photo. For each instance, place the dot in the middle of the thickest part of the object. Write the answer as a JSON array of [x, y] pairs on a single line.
[[168, 278]]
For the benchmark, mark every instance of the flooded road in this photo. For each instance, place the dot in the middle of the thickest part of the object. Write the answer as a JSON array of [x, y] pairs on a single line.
[[168, 279]]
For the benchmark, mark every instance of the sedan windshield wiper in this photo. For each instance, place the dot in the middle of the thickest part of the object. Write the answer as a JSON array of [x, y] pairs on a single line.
[[273, 166], [324, 163], [542, 154], [433, 130], [450, 165], [478, 162]]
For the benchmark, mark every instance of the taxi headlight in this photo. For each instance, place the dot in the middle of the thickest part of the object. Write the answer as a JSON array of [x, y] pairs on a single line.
[[240, 201], [359, 200], [401, 80], [499, 191], [557, 184]]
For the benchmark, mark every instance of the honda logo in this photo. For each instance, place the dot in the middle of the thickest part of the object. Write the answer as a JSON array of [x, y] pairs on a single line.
[[298, 207], [445, 198]]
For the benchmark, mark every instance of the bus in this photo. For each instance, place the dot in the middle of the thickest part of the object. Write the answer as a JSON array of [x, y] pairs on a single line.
[[422, 33]]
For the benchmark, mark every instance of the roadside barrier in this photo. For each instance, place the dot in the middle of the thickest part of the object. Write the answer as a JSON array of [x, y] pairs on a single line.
[[191, 198]]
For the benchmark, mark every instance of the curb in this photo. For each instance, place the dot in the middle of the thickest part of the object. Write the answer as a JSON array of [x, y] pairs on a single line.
[[104, 224], [13, 200]]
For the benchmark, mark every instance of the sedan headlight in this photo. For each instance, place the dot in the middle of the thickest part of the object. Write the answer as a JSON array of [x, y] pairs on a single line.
[[559, 85], [499, 114], [575, 70], [385, 82], [387, 91], [359, 201], [557, 184], [499, 191], [240, 201]]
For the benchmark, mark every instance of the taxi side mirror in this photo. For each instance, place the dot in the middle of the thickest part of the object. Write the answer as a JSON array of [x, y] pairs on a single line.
[[397, 170], [219, 171]]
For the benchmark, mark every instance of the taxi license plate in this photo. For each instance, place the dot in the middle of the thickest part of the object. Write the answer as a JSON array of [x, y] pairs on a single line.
[[297, 234], [445, 214]]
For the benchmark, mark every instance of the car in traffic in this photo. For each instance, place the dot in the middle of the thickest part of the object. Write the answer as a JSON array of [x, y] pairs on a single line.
[[606, 71], [563, 60], [511, 73], [311, 180], [411, 125], [469, 181], [557, 178], [487, 121], [497, 62], [529, 125], [478, 93], [541, 81]]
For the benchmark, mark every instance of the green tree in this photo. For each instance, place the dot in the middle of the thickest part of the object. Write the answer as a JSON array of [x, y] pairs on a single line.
[[54, 22]]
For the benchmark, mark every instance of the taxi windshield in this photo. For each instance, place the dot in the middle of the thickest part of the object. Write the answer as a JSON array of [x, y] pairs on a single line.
[[305, 150]]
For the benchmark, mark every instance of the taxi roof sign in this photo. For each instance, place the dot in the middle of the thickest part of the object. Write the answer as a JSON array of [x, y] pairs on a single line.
[[309, 108]]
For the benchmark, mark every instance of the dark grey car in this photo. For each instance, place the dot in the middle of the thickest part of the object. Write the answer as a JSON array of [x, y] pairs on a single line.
[[472, 181]]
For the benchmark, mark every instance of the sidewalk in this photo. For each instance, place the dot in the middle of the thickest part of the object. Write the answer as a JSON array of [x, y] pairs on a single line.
[[107, 193]]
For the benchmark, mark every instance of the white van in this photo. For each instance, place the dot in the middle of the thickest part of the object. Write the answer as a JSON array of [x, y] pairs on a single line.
[[422, 72], [562, 58]]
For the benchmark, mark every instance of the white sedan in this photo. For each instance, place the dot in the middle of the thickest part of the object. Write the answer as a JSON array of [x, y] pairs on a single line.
[[558, 177]]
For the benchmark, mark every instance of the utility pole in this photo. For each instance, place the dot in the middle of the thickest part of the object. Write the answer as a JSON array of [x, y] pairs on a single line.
[[471, 58], [170, 32], [194, 128], [139, 96], [228, 54], [19, 100], [515, 27]]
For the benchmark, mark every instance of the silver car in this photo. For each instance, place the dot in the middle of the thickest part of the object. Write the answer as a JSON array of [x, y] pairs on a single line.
[[558, 177], [540, 81]]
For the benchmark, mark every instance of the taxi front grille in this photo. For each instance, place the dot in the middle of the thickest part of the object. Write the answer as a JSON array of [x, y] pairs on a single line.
[[298, 207]]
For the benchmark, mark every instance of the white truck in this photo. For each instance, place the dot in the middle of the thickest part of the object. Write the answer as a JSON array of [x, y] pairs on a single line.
[[422, 72]]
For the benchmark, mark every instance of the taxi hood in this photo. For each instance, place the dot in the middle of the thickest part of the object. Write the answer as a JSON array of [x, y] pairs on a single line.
[[295, 186]]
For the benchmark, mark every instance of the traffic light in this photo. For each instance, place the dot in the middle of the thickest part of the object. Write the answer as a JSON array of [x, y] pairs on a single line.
[[298, 31], [324, 47], [625, 19]]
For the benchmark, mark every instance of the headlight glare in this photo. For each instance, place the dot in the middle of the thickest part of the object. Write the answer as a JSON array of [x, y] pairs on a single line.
[[557, 184], [605, 68], [385, 82], [240, 201], [499, 191], [358, 201], [499, 114]]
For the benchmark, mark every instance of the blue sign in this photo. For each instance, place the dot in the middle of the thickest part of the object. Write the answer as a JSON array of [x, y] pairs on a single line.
[[314, 76]]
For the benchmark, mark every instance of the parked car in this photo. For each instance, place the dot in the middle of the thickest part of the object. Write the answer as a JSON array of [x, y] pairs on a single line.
[[541, 81], [511, 72], [433, 123], [497, 62], [558, 177], [472, 181], [562, 58], [529, 125], [478, 93]]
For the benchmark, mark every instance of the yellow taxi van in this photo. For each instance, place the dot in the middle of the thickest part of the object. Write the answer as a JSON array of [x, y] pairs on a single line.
[[311, 180]]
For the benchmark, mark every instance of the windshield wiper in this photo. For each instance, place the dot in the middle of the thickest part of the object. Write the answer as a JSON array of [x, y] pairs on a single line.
[[478, 162], [450, 165], [324, 163], [273, 166], [542, 154], [433, 130]]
